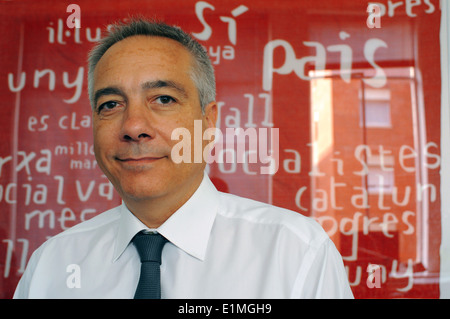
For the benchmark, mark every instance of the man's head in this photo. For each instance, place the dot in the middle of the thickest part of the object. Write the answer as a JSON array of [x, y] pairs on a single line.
[[145, 81], [202, 69]]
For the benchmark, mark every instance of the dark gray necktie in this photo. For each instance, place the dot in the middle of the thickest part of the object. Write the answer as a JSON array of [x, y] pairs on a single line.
[[149, 247]]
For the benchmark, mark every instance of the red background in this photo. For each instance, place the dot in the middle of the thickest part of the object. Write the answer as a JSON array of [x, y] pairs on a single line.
[[330, 127]]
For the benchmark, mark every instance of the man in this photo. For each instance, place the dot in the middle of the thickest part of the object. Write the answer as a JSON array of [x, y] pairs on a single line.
[[146, 80]]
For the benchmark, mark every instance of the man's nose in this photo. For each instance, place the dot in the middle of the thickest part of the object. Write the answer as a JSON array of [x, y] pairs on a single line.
[[137, 123]]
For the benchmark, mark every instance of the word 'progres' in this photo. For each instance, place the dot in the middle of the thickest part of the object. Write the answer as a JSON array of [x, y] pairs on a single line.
[[390, 8]]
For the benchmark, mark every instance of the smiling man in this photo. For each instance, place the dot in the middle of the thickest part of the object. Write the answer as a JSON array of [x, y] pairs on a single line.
[[175, 235], [143, 90]]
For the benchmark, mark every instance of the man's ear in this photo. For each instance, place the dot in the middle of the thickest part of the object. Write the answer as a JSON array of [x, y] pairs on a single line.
[[210, 115]]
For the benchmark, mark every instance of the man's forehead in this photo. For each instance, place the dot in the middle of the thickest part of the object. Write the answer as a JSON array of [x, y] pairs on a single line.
[[143, 45], [143, 63], [144, 51], [137, 53]]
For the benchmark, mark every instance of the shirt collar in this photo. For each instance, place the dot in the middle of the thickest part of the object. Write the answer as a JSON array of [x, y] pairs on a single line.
[[188, 228]]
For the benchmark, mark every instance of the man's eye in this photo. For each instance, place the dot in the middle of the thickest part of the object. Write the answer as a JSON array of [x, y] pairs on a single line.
[[165, 99], [107, 106]]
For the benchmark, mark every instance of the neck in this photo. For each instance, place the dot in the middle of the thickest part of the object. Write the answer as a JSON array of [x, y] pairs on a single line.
[[154, 211]]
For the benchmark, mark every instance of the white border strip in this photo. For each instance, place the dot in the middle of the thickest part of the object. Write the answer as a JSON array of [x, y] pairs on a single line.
[[444, 279]]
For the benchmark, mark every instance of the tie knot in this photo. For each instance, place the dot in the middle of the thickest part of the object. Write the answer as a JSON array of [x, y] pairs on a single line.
[[149, 246]]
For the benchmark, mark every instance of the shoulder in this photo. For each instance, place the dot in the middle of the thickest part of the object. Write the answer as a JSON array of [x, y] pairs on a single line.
[[71, 246], [87, 231], [102, 220], [304, 228]]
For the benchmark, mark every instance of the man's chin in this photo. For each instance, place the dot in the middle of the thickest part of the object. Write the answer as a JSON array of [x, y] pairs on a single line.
[[141, 194]]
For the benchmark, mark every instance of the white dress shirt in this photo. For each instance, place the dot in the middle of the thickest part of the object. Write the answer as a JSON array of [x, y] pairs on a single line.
[[220, 246]]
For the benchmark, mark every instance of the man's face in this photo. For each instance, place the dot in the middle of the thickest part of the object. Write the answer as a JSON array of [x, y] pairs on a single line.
[[143, 92]]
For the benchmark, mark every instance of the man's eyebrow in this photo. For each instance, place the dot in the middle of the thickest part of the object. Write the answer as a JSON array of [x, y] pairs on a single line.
[[164, 84], [110, 90], [113, 90]]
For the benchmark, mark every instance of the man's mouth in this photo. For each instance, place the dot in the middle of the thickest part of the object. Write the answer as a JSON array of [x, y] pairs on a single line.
[[139, 160]]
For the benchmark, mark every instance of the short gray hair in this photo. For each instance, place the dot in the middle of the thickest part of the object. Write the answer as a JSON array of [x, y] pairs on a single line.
[[202, 72]]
